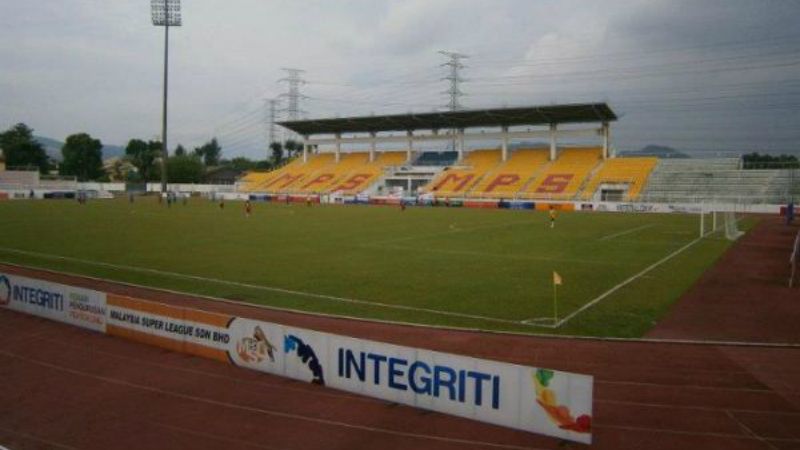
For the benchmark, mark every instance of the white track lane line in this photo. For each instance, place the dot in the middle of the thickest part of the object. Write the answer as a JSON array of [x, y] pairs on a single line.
[[354, 397], [268, 412], [260, 385], [33, 438]]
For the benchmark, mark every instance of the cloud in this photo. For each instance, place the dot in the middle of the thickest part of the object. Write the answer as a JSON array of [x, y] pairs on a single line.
[[694, 74]]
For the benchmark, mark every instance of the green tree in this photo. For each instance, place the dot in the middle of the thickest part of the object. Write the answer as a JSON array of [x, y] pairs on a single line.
[[292, 147], [82, 157], [143, 156], [264, 165], [183, 169], [180, 150], [21, 149], [277, 152], [210, 152], [758, 161], [242, 163]]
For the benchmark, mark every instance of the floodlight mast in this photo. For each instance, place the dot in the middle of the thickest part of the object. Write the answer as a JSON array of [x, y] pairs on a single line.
[[165, 13]]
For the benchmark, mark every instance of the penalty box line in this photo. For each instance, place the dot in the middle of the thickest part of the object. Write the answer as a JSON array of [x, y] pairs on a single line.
[[269, 288], [630, 280]]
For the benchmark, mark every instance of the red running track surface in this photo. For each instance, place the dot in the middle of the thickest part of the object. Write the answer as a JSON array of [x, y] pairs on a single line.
[[62, 387]]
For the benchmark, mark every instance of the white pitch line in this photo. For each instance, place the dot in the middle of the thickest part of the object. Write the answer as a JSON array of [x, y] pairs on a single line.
[[450, 231], [629, 231], [626, 282], [263, 288], [489, 255]]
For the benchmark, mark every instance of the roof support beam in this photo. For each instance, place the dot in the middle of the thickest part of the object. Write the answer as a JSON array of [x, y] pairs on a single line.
[[410, 150], [588, 132], [338, 156], [372, 143], [606, 132], [553, 132], [505, 144], [460, 144]]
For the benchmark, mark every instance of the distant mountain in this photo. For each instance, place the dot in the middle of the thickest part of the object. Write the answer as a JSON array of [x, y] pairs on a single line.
[[659, 151], [113, 151], [53, 148]]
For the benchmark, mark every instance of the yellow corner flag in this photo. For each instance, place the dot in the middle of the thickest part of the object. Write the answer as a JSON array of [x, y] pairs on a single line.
[[557, 281]]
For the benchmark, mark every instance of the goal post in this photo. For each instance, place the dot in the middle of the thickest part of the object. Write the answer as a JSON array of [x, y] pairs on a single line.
[[718, 217]]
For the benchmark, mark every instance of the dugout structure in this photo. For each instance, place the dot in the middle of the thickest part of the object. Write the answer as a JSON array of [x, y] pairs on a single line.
[[458, 127]]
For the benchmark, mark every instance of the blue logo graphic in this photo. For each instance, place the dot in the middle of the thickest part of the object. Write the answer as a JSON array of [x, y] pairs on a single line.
[[5, 290], [306, 354]]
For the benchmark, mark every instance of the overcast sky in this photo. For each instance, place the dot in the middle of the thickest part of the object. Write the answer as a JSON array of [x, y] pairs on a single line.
[[702, 76]]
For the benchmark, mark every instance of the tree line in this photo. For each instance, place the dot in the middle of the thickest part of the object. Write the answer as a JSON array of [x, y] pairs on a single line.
[[82, 157], [758, 161]]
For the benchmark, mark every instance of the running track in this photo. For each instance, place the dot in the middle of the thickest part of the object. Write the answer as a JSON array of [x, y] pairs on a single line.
[[61, 387]]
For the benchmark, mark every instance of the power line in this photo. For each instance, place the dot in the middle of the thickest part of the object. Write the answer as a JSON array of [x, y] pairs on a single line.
[[271, 129], [745, 44]]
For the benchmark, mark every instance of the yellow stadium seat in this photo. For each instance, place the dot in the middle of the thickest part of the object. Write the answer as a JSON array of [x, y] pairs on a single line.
[[630, 171], [255, 181], [321, 174], [295, 176], [362, 177], [509, 177], [459, 181], [284, 178], [562, 179]]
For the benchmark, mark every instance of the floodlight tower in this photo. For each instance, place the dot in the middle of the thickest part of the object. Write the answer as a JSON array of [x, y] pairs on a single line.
[[166, 13]]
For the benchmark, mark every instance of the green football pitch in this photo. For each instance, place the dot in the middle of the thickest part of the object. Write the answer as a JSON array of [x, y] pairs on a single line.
[[483, 269]]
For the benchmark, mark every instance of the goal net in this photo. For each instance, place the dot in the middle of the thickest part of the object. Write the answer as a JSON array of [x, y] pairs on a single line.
[[714, 222], [731, 226]]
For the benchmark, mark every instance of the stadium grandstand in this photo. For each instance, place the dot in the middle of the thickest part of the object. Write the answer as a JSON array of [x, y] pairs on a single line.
[[426, 155], [491, 169]]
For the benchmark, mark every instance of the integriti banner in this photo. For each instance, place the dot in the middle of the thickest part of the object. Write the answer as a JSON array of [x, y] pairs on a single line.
[[84, 308], [526, 398]]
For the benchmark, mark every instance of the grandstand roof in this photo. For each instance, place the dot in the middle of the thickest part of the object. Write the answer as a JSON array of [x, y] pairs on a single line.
[[529, 115]]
